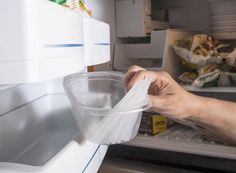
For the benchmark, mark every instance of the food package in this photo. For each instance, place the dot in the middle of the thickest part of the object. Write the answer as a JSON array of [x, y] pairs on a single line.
[[232, 77], [79, 5], [126, 125], [200, 50], [224, 79], [152, 123], [207, 80], [188, 77], [207, 61], [215, 75], [231, 58], [59, 1]]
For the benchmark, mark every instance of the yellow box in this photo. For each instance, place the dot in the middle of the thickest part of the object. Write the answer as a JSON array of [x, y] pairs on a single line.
[[152, 123], [158, 123]]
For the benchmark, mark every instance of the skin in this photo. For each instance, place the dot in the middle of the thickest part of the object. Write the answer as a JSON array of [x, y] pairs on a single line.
[[213, 118]]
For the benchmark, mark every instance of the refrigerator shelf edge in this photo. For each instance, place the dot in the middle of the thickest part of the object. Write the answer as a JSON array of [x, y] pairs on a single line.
[[230, 89], [183, 139]]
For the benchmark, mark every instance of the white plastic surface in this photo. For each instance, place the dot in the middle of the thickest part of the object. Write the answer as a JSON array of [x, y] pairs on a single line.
[[96, 42], [74, 158], [133, 18], [157, 55], [79, 155], [41, 40], [152, 50]]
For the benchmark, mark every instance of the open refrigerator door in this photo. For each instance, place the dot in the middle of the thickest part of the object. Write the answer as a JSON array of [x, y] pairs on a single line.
[[41, 42]]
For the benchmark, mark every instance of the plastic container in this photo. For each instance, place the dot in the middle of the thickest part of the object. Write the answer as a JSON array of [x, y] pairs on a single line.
[[93, 97]]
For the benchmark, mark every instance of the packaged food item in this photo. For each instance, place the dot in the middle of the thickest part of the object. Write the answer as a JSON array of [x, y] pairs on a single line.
[[231, 58], [188, 77], [209, 79], [224, 50], [232, 77], [208, 62], [215, 75], [200, 50], [72, 4], [84, 8], [59, 1], [224, 79], [79, 5], [227, 74], [152, 123]]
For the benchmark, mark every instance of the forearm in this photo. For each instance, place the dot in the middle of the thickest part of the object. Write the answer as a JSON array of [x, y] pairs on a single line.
[[217, 116]]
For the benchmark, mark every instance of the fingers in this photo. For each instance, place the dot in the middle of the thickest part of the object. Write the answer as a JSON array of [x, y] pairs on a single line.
[[130, 73], [140, 75]]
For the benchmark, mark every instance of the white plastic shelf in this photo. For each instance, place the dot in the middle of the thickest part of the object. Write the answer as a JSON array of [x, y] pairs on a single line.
[[183, 139]]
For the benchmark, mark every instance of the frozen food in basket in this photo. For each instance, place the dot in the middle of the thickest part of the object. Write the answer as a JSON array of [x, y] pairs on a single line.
[[199, 50], [207, 61], [188, 77], [208, 79], [231, 58]]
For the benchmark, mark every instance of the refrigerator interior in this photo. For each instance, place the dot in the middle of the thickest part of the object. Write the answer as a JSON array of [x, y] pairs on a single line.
[[185, 17]]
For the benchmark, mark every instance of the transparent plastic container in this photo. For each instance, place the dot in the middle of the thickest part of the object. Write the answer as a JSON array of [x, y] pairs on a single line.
[[93, 97]]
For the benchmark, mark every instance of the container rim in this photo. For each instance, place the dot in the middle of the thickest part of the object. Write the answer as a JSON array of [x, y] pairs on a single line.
[[143, 106], [101, 74], [74, 78]]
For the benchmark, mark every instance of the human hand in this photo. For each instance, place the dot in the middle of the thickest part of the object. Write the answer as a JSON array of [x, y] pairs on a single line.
[[167, 96]]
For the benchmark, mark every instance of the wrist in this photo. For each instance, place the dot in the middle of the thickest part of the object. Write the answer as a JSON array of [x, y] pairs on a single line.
[[197, 108], [194, 105]]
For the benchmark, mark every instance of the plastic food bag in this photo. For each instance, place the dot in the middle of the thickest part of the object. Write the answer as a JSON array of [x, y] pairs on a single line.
[[126, 125], [188, 77], [209, 62], [199, 50], [232, 77], [79, 5], [207, 80], [231, 58]]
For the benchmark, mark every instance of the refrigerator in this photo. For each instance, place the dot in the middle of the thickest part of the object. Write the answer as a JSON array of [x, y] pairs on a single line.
[[42, 42]]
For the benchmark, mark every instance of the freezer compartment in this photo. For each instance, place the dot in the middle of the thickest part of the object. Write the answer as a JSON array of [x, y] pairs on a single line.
[[35, 132]]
